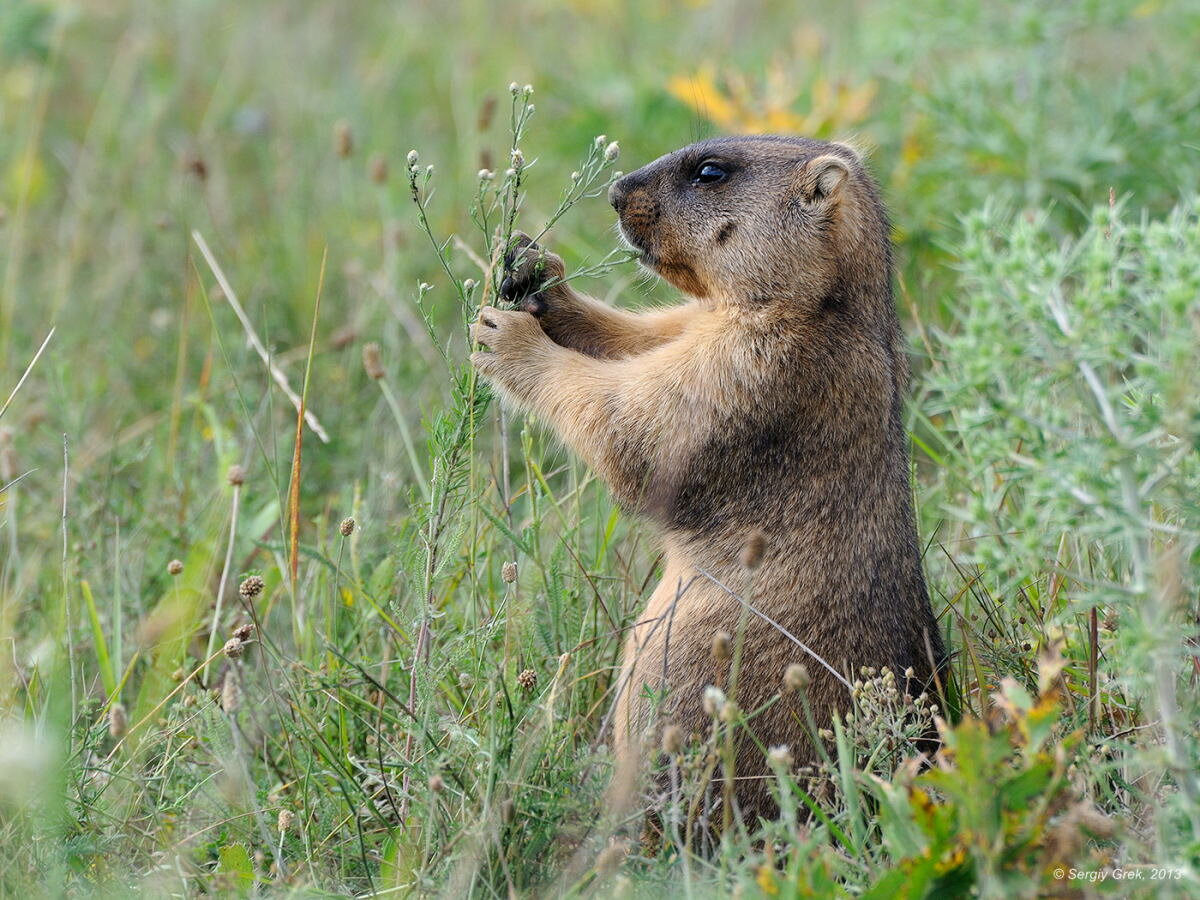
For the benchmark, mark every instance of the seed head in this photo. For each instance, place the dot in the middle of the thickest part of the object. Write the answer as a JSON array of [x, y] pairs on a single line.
[[752, 552], [251, 587], [601, 140], [486, 174], [378, 169], [412, 158], [347, 526], [672, 739], [514, 88], [372, 360], [612, 151], [714, 700], [175, 567], [244, 631], [508, 572], [528, 89], [118, 720], [343, 140], [234, 648], [437, 784], [795, 677], [469, 285], [285, 820], [518, 158], [721, 645], [527, 680], [909, 673], [465, 680], [236, 476], [780, 757], [231, 694]]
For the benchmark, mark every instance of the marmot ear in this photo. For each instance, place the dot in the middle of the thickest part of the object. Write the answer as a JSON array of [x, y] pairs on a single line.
[[822, 177]]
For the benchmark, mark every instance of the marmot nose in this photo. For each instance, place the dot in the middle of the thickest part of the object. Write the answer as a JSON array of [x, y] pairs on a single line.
[[616, 195], [623, 187]]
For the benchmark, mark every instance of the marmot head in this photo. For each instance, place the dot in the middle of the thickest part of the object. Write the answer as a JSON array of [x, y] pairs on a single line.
[[757, 219]]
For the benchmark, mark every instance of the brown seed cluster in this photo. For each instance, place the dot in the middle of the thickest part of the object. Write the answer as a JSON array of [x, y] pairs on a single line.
[[372, 360], [508, 572], [236, 476], [527, 680], [347, 526], [175, 567], [251, 587], [752, 552]]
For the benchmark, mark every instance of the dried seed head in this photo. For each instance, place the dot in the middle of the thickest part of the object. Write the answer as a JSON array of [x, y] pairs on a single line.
[[194, 163], [118, 720], [612, 151], [347, 526], [514, 88], [909, 673], [285, 820], [527, 679], [752, 552], [236, 476], [486, 174], [437, 784], [465, 680], [729, 712], [469, 285], [508, 572], [231, 694], [672, 739], [528, 89], [412, 158], [343, 140], [611, 858], [175, 567], [178, 674], [234, 648], [372, 360], [721, 645], [244, 631], [780, 757], [518, 158], [714, 700], [601, 140], [251, 587], [378, 169], [795, 677]]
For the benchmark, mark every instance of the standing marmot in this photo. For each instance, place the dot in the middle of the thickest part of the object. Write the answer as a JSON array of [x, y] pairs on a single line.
[[770, 404]]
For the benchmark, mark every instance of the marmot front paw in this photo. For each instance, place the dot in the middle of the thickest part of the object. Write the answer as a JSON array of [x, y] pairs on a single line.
[[528, 267]]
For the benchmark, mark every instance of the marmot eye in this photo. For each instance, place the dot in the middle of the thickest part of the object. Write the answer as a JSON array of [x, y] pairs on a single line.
[[709, 173]]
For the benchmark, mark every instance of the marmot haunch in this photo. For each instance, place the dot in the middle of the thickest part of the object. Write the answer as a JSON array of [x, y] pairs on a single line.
[[770, 402]]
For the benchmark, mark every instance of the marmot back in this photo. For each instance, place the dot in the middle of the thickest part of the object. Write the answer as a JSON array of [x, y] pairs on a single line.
[[769, 405]]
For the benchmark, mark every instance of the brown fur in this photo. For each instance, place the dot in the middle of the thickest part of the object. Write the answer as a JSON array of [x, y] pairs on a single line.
[[770, 400]]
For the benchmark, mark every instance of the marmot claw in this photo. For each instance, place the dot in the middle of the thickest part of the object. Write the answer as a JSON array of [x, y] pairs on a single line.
[[528, 267]]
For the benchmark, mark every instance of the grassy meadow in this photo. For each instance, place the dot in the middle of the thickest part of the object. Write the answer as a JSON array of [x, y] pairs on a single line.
[[372, 653]]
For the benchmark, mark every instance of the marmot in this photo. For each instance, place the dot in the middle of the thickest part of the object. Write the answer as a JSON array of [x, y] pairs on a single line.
[[769, 404]]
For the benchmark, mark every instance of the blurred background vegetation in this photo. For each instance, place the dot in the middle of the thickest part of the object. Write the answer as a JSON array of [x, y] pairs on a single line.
[[1040, 160]]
